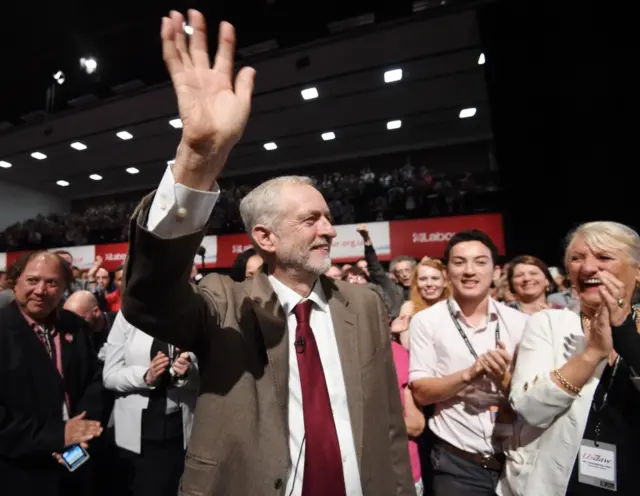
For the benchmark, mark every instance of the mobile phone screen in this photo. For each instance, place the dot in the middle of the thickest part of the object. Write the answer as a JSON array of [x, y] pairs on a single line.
[[74, 456]]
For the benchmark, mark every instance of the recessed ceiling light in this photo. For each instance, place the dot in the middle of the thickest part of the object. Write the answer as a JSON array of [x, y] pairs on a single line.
[[62, 183], [124, 135], [329, 136], [132, 170], [397, 124], [177, 123], [309, 93], [393, 75], [481, 59], [59, 77], [270, 146], [95, 177], [38, 155], [89, 64], [5, 165], [468, 112], [78, 146]]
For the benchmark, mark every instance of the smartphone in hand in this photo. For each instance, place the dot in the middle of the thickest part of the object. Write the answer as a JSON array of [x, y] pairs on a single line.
[[74, 456]]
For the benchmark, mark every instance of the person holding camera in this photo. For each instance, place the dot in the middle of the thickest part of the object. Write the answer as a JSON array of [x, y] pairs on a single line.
[[157, 385]]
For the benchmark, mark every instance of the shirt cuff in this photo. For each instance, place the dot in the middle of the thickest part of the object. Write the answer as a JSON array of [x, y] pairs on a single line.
[[178, 210]]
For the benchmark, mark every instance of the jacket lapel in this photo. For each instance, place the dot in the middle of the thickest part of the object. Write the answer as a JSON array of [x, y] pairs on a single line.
[[345, 325], [26, 333], [273, 325]]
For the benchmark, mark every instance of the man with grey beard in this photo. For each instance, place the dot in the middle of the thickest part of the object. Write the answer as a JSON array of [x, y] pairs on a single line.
[[298, 386]]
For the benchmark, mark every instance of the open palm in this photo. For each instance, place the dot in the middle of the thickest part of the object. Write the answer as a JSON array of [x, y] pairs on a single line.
[[213, 112]]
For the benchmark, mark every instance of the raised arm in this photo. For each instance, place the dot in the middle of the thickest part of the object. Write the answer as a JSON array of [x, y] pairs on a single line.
[[168, 227]]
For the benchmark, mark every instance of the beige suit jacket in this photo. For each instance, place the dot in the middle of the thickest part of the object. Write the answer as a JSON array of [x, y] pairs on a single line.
[[239, 441]]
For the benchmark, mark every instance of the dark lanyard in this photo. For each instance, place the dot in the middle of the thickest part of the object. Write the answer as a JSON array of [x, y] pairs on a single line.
[[598, 410], [464, 334]]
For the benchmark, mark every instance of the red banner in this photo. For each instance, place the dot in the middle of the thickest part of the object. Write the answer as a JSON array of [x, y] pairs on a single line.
[[230, 246], [416, 238], [13, 256], [429, 237], [113, 255]]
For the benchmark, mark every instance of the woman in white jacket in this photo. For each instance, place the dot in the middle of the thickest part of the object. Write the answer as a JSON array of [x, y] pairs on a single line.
[[574, 378], [157, 387]]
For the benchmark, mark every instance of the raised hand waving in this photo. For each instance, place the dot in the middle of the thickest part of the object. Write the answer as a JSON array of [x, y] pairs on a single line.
[[214, 110]]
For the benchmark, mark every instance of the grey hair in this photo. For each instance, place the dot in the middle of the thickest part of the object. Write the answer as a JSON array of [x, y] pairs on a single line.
[[607, 235], [263, 205], [401, 258]]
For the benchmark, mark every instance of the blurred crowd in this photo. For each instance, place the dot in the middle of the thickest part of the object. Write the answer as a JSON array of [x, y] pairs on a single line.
[[368, 195]]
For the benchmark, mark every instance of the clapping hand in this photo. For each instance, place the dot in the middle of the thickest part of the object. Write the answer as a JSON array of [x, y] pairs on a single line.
[[214, 110], [400, 324], [79, 430], [158, 366], [497, 364], [181, 364], [615, 298]]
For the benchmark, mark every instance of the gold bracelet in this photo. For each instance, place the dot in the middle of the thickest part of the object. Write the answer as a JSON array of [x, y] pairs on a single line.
[[566, 384]]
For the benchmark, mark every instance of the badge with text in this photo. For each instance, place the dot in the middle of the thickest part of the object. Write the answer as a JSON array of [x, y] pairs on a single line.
[[598, 465]]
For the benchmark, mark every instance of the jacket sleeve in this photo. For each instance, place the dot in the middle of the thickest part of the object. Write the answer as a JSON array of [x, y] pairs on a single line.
[[626, 341], [401, 466], [28, 435], [117, 375], [157, 294], [92, 399], [533, 394]]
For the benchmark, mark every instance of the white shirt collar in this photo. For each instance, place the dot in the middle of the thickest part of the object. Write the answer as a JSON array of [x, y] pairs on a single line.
[[492, 313], [289, 298]]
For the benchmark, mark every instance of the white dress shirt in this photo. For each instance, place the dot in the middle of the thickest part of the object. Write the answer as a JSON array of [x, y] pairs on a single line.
[[540, 457], [178, 210], [438, 350]]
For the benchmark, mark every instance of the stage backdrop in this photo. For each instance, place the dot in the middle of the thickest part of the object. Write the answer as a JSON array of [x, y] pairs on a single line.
[[416, 238]]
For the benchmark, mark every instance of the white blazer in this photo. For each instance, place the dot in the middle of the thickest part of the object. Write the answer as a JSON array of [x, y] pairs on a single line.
[[541, 455], [127, 359]]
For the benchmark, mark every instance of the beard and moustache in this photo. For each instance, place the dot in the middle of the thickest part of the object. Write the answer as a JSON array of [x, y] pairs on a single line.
[[297, 256]]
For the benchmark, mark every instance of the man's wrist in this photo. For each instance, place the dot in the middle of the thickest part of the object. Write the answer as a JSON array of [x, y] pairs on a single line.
[[198, 169]]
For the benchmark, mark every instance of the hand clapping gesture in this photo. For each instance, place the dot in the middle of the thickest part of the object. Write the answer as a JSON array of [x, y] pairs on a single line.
[[613, 313], [497, 365], [214, 110], [159, 365], [181, 364]]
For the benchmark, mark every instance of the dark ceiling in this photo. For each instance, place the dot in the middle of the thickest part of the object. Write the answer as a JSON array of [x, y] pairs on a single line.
[[437, 46], [123, 36]]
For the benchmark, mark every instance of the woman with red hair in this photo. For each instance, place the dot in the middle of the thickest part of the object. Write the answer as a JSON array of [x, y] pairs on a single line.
[[428, 286]]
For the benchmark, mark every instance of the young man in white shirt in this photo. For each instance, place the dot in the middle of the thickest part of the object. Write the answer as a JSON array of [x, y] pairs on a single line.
[[461, 354]]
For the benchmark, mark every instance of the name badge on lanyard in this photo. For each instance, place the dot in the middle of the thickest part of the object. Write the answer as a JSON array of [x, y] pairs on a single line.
[[598, 465], [597, 459]]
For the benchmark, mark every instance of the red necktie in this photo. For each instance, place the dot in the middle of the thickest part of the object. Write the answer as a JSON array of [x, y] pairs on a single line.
[[323, 475]]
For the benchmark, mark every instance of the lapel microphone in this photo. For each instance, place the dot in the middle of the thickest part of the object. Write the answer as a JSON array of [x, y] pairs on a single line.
[[300, 345]]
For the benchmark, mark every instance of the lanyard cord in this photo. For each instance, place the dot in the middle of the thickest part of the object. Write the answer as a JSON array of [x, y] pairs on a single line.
[[464, 334]]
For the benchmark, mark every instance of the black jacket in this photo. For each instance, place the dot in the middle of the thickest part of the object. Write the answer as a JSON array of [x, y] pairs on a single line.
[[31, 399]]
